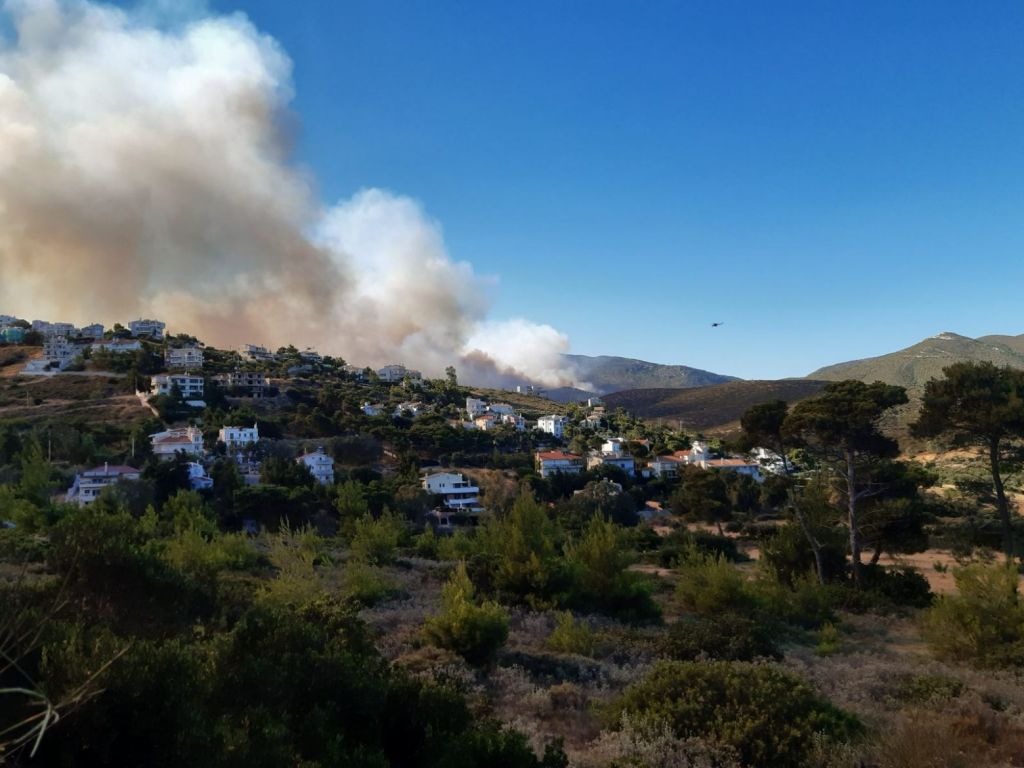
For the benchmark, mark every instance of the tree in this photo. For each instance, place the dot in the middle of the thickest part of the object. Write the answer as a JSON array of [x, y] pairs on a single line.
[[762, 423], [703, 495], [451, 377], [472, 629], [981, 404], [841, 426]]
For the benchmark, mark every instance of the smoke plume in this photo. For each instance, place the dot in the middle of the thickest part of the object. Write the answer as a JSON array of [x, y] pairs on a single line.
[[144, 171]]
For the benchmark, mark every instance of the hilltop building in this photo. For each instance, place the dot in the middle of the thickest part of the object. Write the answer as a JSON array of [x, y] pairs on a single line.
[[320, 465]]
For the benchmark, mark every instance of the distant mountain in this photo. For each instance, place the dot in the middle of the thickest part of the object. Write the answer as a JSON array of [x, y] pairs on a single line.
[[709, 409], [915, 365], [612, 374]]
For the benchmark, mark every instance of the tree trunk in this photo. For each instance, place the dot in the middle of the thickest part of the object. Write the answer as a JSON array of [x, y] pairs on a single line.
[[819, 563], [851, 493], [1001, 503], [876, 554], [720, 531]]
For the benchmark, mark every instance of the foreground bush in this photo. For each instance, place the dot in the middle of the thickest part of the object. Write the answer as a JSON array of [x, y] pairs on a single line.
[[727, 637], [473, 630], [769, 716], [983, 623]]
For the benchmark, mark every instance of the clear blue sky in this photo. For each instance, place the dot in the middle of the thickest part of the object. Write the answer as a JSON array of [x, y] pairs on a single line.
[[832, 180]]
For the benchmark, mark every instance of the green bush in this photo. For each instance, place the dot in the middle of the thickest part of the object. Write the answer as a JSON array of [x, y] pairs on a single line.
[[710, 584], [367, 585], [770, 716], [376, 540], [724, 637], [571, 636], [983, 623], [898, 586], [471, 629]]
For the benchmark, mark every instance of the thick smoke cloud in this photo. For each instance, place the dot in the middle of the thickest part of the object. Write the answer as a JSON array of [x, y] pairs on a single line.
[[144, 171]]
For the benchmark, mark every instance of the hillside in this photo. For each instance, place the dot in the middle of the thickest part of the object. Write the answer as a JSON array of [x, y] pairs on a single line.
[[709, 409], [613, 374], [915, 365]]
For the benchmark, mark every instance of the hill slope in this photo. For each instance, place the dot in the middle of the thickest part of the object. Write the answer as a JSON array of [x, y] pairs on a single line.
[[913, 366], [710, 409], [612, 374]]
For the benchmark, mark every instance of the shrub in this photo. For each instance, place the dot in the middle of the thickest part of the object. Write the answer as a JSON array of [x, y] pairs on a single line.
[[473, 630], [725, 637], [770, 716], [375, 540], [984, 623], [898, 586], [366, 585], [829, 640], [709, 584], [571, 636], [598, 563]]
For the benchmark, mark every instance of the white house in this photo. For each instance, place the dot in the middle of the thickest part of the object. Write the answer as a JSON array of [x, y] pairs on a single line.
[[184, 357], [457, 492], [487, 421], [255, 353], [152, 328], [475, 407], [188, 440], [373, 409], [553, 462], [739, 466], [190, 385], [502, 409], [89, 484], [321, 466], [515, 421], [623, 461], [239, 437], [94, 331], [413, 408], [50, 330], [117, 346], [665, 466], [613, 445], [59, 351], [392, 374], [198, 478], [553, 425], [310, 355], [770, 461]]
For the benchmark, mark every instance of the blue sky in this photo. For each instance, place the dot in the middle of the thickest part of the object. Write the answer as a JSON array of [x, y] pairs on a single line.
[[831, 180]]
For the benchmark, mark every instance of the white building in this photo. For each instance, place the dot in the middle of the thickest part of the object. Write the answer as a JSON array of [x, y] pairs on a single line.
[[502, 409], [665, 466], [553, 462], [487, 422], [623, 461], [256, 382], [188, 440], [184, 357], [414, 409], [457, 492], [89, 484], [310, 355], [239, 437], [320, 465], [198, 478], [94, 331], [515, 421], [59, 351], [739, 466], [553, 425], [256, 354], [50, 330], [475, 407], [392, 374], [613, 445], [154, 329], [190, 385], [373, 409], [117, 346]]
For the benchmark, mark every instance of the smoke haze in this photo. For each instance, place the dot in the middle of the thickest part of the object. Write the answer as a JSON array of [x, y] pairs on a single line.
[[144, 171]]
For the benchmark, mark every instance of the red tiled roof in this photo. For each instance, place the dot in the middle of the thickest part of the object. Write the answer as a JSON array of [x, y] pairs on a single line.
[[557, 456]]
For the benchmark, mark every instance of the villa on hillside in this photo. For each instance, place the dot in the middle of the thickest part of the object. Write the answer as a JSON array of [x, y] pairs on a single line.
[[116, 346], [393, 374], [320, 465], [188, 440], [189, 385], [154, 329], [457, 492], [238, 437], [554, 425], [254, 383], [553, 462], [89, 485], [184, 357], [256, 354]]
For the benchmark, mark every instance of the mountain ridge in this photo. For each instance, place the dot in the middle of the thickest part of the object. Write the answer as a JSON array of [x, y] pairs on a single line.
[[610, 373]]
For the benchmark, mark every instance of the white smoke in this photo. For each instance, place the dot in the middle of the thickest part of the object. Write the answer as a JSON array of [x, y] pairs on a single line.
[[144, 170]]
